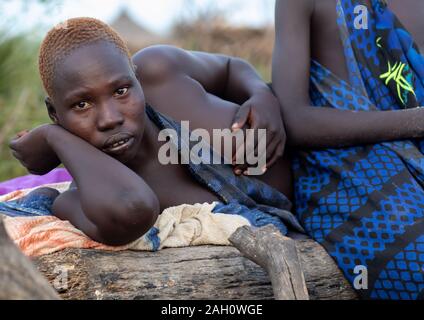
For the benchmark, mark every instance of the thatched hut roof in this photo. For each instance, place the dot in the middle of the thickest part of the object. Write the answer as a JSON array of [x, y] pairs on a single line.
[[135, 34]]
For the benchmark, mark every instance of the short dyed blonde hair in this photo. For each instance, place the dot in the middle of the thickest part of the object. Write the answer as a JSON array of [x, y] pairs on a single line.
[[67, 36]]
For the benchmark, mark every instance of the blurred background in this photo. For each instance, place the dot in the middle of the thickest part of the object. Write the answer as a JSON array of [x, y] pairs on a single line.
[[242, 28]]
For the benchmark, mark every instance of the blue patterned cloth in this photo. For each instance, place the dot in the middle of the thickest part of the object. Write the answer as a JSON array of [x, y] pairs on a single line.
[[31, 205], [365, 204]]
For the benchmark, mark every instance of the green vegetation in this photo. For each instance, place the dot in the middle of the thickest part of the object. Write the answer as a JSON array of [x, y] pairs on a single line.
[[21, 96]]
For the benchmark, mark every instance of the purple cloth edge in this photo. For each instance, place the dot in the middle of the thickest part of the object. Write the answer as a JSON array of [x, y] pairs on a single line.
[[32, 181]]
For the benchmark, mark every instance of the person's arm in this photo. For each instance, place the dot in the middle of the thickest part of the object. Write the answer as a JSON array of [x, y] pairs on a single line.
[[111, 204], [229, 78], [311, 127], [38, 163]]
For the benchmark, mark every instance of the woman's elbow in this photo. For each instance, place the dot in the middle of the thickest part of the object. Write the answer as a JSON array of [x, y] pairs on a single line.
[[128, 222]]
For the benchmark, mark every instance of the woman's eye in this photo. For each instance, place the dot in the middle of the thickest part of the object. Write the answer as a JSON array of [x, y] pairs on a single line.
[[121, 91], [81, 105]]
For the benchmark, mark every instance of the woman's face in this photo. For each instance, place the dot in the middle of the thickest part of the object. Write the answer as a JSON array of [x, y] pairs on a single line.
[[97, 97]]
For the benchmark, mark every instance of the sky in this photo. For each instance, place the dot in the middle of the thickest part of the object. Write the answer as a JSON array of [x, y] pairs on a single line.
[[156, 15]]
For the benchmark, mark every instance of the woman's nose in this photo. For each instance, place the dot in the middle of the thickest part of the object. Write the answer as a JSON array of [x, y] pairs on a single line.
[[109, 117]]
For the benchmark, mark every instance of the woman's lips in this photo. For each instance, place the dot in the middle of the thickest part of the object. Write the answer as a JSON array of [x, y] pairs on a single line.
[[120, 147]]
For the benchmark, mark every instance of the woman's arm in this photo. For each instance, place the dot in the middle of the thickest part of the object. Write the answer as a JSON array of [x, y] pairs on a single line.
[[311, 127], [112, 204], [229, 78]]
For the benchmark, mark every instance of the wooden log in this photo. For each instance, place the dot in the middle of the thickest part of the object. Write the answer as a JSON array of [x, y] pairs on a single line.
[[204, 272], [19, 279], [277, 255], [324, 280]]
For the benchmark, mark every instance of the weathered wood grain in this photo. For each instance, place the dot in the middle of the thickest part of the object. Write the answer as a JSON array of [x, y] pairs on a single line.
[[19, 279], [204, 272], [277, 255], [207, 272]]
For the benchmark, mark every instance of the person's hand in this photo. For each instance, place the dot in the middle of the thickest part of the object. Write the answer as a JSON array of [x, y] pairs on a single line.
[[261, 111], [33, 151]]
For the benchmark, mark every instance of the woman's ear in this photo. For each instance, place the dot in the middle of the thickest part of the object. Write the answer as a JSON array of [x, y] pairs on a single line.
[[51, 110]]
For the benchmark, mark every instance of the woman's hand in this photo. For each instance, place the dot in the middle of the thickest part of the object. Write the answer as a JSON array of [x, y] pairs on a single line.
[[261, 111], [33, 151]]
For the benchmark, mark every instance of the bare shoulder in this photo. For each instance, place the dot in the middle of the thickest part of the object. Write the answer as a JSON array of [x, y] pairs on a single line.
[[158, 62]]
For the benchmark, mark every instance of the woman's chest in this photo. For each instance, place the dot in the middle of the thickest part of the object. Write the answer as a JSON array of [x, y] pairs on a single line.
[[173, 184]]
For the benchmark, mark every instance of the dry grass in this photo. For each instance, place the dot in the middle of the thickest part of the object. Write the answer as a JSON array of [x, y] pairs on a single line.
[[253, 45]]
